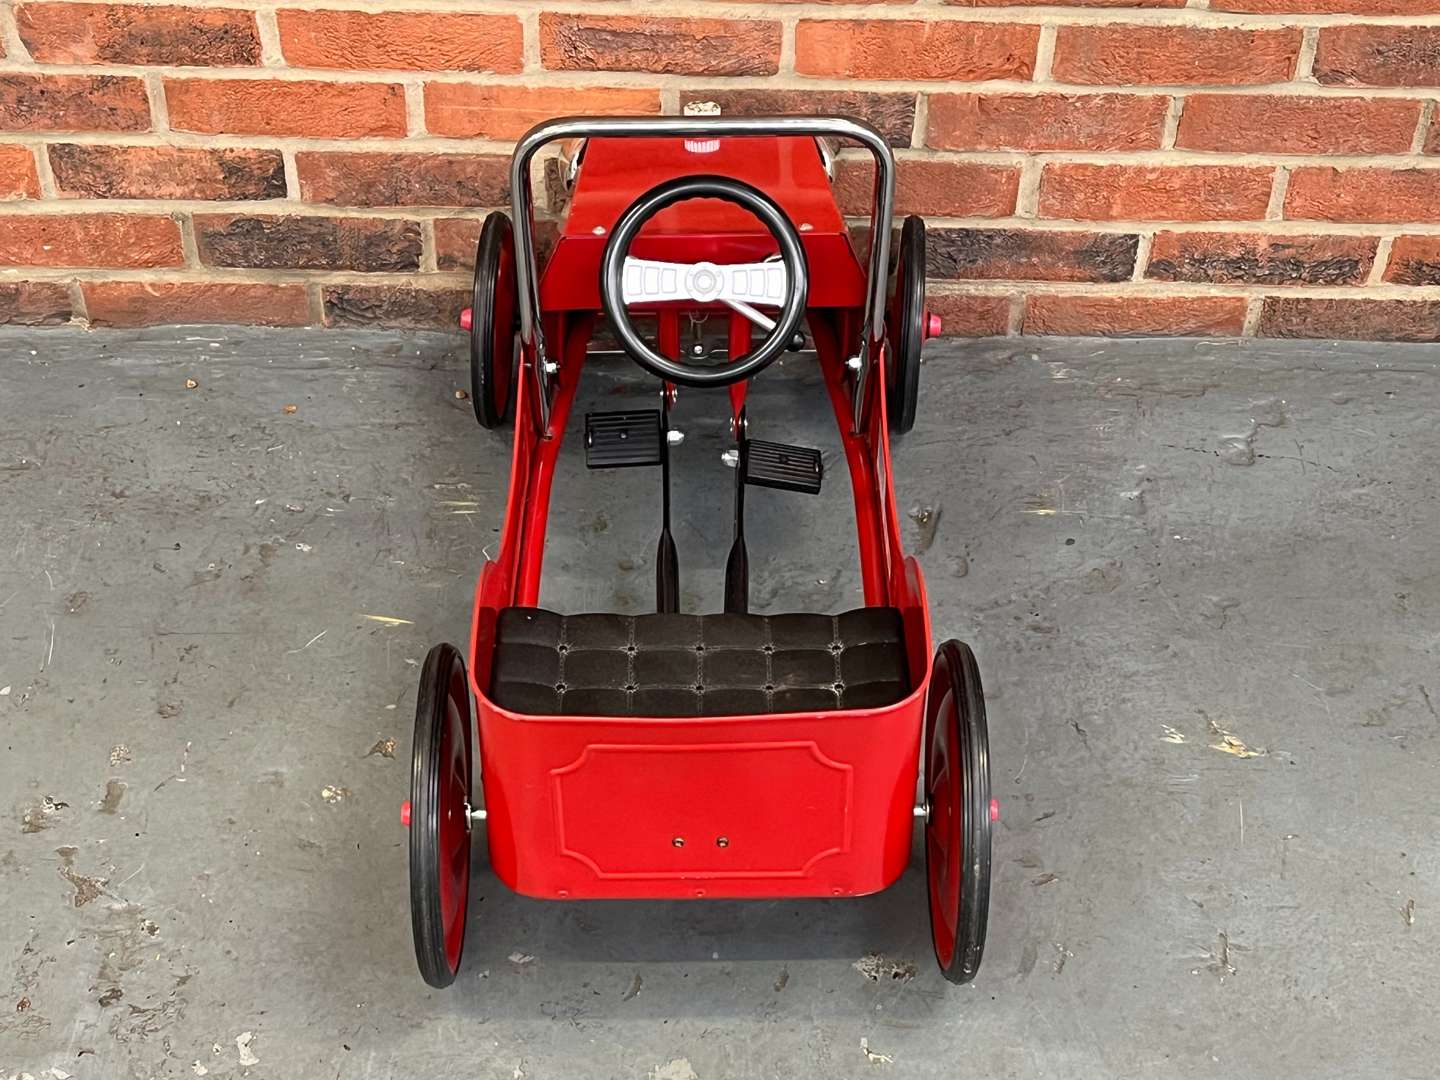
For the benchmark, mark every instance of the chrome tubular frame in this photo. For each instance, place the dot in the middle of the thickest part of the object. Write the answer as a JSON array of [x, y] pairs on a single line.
[[578, 127]]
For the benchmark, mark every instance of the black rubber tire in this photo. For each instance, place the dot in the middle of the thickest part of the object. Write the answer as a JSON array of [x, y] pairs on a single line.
[[494, 322], [957, 701], [905, 323], [440, 778]]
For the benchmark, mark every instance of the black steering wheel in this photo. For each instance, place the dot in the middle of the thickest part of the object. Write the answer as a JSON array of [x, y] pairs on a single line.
[[783, 283]]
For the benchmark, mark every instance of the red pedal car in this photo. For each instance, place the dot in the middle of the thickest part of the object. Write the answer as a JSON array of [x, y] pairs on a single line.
[[674, 755]]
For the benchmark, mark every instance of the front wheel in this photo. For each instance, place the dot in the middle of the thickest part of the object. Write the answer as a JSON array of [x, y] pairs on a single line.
[[960, 811], [494, 322], [439, 816]]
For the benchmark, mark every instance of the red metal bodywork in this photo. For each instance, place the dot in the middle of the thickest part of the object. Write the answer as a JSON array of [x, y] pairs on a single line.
[[795, 804]]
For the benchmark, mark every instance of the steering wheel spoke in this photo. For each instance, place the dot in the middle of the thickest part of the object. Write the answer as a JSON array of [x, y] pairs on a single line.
[[652, 281]]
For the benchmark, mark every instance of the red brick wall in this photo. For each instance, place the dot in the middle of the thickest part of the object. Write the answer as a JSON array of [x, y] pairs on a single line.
[[1225, 167]]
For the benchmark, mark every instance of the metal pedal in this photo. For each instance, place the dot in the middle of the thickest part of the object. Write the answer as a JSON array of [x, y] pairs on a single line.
[[622, 440], [775, 465]]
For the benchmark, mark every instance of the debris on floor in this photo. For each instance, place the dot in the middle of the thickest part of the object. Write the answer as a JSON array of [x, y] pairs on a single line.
[[678, 1069], [333, 795], [878, 966], [1408, 912], [634, 991], [388, 620], [927, 521], [1227, 742], [114, 792], [520, 959], [119, 755], [1171, 734], [1062, 954], [383, 748], [873, 1056], [38, 817], [1218, 960], [242, 1043], [1045, 879], [86, 888]]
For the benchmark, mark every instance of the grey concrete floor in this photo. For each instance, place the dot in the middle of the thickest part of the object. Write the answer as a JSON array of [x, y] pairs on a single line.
[[1200, 578]]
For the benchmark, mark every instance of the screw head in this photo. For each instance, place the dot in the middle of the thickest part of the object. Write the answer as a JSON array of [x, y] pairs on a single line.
[[679, 841], [722, 841]]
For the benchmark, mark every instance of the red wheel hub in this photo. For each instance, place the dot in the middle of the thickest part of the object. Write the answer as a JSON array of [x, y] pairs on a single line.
[[944, 834], [454, 825]]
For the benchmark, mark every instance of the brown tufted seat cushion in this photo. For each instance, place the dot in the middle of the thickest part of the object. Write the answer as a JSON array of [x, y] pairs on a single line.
[[697, 665]]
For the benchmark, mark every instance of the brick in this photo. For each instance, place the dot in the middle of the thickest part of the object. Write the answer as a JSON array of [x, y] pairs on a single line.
[[406, 40], [1135, 316], [1068, 3], [18, 179], [1398, 195], [284, 107], [1261, 259], [155, 303], [1046, 121], [942, 188], [72, 103], [1342, 7], [263, 242], [400, 179], [64, 33], [660, 46], [1155, 192], [467, 111], [399, 306], [86, 240], [1378, 56], [1432, 140], [1122, 54], [1351, 320], [1414, 260], [166, 172], [893, 115], [894, 49], [962, 315], [34, 303], [456, 238], [1242, 123], [1029, 255]]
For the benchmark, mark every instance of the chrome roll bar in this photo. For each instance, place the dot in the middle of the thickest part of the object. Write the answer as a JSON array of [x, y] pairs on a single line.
[[579, 127]]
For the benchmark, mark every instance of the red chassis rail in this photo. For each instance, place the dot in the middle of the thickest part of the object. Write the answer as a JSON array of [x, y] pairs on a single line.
[[794, 804]]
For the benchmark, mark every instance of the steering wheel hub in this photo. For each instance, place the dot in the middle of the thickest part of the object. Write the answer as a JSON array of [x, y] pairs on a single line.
[[705, 282]]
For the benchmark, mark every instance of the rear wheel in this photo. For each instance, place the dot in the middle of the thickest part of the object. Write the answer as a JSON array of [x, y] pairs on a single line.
[[905, 326], [494, 325], [439, 816], [961, 813]]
